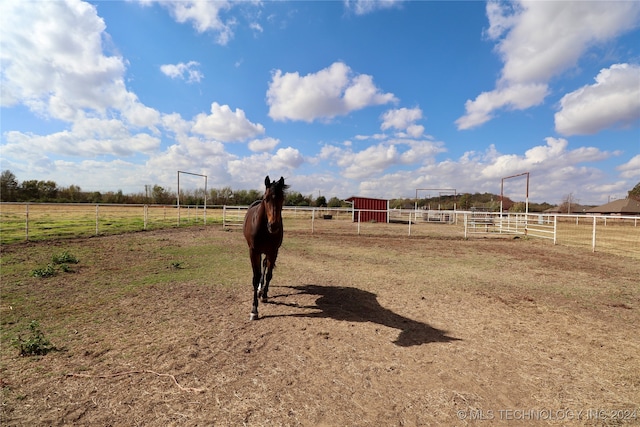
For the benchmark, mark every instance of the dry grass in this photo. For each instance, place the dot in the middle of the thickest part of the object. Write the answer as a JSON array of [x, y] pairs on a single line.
[[361, 330]]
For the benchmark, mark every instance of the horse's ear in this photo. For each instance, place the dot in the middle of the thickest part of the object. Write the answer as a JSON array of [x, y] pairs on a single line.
[[281, 182], [267, 181]]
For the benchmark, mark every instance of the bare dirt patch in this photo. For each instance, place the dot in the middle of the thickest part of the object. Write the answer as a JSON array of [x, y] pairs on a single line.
[[154, 330]]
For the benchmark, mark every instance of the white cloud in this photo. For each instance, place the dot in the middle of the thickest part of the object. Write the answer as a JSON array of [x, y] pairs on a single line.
[[554, 170], [514, 97], [287, 158], [252, 169], [264, 144], [547, 159], [89, 137], [613, 100], [330, 92], [532, 57], [188, 71], [631, 169], [60, 73], [375, 159], [225, 125], [203, 15], [363, 7], [401, 118]]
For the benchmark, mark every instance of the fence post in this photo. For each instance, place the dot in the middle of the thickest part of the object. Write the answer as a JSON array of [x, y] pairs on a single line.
[[409, 223], [466, 225], [555, 229], [593, 240], [224, 215], [26, 224], [359, 223], [97, 218], [145, 217], [313, 218]]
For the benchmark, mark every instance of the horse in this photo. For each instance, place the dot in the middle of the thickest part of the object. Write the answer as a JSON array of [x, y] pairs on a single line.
[[263, 232]]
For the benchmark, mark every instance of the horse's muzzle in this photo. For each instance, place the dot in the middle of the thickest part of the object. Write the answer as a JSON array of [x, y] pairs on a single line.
[[273, 227]]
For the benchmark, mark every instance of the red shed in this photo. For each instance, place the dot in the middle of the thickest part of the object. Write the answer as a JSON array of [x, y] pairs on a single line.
[[370, 209]]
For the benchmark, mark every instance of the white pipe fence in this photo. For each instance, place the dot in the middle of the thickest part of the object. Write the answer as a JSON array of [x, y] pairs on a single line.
[[38, 221]]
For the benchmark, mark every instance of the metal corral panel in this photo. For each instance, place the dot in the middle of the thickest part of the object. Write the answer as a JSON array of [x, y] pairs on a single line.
[[366, 206]]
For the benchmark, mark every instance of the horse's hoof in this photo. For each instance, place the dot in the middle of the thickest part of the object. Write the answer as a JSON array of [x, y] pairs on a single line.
[[264, 300], [254, 316]]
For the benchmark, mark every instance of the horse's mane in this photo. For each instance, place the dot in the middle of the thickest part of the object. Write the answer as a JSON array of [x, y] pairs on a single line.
[[256, 203]]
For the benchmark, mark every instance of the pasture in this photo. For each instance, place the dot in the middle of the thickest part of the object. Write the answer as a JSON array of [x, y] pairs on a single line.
[[153, 328]]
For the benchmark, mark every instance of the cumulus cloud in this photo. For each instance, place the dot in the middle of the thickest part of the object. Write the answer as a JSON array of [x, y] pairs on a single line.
[[555, 170], [204, 16], [251, 170], [187, 72], [631, 169], [60, 73], [225, 125], [363, 7], [532, 57], [401, 118], [548, 158], [287, 158], [331, 92], [89, 137], [613, 100], [513, 97], [375, 159], [264, 144]]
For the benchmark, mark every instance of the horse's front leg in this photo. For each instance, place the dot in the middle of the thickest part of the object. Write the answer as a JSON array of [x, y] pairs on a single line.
[[255, 265], [269, 264], [263, 288]]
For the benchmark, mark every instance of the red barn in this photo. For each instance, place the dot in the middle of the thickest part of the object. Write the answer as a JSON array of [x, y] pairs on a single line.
[[370, 209]]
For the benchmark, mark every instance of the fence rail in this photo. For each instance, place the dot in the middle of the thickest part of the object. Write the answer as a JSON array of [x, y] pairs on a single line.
[[39, 221]]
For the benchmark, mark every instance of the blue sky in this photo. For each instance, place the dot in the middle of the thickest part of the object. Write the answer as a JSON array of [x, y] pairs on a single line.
[[372, 98]]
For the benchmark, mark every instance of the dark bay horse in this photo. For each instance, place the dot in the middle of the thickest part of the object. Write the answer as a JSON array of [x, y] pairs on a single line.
[[263, 231]]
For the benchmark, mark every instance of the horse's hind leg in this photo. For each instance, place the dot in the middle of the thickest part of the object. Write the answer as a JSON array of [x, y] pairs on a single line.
[[255, 265]]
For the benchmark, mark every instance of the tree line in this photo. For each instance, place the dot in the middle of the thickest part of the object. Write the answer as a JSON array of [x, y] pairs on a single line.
[[40, 191]]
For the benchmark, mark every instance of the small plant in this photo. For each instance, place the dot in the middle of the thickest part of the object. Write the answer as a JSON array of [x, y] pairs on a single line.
[[47, 271], [177, 265], [65, 258], [36, 344], [62, 261]]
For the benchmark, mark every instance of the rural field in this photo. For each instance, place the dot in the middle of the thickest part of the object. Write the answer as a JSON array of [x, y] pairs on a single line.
[[152, 328]]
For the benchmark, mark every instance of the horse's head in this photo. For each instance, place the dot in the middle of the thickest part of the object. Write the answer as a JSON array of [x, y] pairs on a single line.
[[273, 200]]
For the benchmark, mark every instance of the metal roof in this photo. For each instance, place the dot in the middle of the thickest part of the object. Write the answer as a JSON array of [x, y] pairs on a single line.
[[620, 206]]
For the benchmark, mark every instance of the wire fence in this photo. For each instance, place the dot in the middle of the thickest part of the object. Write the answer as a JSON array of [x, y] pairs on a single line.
[[619, 235]]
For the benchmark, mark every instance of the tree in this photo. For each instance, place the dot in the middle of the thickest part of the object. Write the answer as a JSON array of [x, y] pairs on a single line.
[[295, 198], [161, 196], [635, 192], [320, 201], [8, 186], [568, 204], [71, 194], [334, 202], [29, 191]]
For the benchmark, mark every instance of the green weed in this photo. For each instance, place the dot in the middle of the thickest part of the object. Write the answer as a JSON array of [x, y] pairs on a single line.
[[42, 273], [60, 262], [65, 258], [36, 344]]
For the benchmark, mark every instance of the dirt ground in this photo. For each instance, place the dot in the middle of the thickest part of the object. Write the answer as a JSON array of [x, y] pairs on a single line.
[[153, 329]]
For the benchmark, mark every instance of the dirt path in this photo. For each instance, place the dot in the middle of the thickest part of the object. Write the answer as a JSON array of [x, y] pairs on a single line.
[[359, 331]]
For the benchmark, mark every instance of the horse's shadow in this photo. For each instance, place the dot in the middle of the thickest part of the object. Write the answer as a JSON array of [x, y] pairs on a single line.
[[355, 305]]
